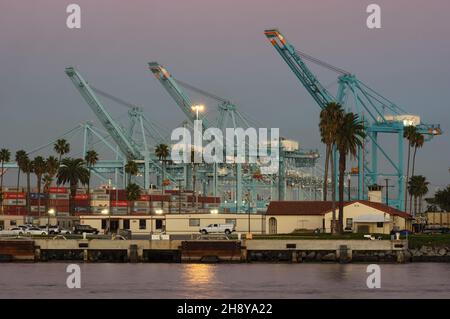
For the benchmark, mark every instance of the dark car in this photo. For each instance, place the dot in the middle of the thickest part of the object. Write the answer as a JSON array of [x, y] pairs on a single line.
[[88, 229], [405, 232], [436, 230]]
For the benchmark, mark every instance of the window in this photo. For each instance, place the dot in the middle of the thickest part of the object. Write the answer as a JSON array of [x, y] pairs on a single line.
[[194, 222], [349, 223], [104, 224], [159, 223], [2, 224], [230, 221], [126, 224], [380, 224], [142, 223], [13, 223]]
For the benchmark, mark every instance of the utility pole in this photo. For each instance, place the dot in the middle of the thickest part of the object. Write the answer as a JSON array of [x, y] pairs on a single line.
[[387, 190]]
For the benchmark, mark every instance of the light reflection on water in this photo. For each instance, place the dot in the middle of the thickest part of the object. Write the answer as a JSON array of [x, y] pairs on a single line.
[[48, 280]]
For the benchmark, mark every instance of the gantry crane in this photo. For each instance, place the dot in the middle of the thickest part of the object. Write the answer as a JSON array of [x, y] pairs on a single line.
[[379, 114], [130, 149]]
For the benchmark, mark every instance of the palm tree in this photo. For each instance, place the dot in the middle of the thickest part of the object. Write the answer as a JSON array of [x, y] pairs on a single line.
[[5, 156], [27, 167], [21, 156], [409, 132], [74, 172], [349, 137], [47, 180], [418, 187], [133, 192], [61, 147], [39, 168], [162, 152], [132, 169], [52, 165], [329, 117], [91, 159], [417, 142]]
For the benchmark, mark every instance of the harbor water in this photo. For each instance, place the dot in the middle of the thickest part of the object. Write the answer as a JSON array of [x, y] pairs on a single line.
[[108, 280]]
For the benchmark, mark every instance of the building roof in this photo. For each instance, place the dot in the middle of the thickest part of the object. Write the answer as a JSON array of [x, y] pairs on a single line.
[[320, 208]]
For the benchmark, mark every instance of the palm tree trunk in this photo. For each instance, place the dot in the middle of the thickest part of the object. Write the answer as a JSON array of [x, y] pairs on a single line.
[[89, 191], [1, 186], [412, 174], [415, 205], [39, 194], [325, 180], [420, 204], [18, 182], [28, 190], [333, 194], [407, 177], [341, 190]]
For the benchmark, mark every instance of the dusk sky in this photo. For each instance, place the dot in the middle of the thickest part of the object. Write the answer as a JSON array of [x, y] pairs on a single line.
[[220, 46]]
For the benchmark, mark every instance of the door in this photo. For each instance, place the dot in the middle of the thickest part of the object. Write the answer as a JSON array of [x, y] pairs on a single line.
[[363, 229], [272, 225], [114, 225]]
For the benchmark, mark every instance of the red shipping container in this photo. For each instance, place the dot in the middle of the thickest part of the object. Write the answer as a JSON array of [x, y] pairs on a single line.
[[159, 198], [13, 195], [14, 209], [81, 203], [58, 190], [119, 203], [58, 202], [81, 197]]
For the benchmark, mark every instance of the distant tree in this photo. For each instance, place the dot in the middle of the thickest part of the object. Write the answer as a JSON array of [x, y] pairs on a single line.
[[132, 169], [133, 192], [5, 156], [73, 171], [20, 157], [91, 159], [417, 188], [409, 133], [39, 169], [349, 137], [162, 152], [440, 200]]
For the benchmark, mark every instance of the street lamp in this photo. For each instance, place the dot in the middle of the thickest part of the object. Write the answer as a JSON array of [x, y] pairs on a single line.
[[51, 212], [197, 108], [106, 212]]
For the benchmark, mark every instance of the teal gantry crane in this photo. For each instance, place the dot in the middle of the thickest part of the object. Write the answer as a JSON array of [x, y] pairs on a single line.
[[379, 114]]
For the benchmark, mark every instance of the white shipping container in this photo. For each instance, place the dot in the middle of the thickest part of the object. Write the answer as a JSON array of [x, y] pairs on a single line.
[[102, 203], [141, 204], [58, 196], [14, 202], [98, 191], [99, 197], [36, 208]]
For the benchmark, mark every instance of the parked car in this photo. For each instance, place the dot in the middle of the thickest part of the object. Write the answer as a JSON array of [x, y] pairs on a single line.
[[218, 229], [52, 229], [436, 230], [405, 232], [12, 231], [88, 229], [36, 231], [65, 231]]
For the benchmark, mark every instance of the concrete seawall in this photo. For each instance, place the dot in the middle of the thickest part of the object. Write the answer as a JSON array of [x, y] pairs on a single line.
[[96, 250]]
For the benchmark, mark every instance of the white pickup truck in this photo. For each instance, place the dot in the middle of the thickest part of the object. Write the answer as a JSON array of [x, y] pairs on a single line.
[[218, 229]]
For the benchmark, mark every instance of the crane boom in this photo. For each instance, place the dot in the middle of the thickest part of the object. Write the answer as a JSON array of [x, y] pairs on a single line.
[[126, 146], [319, 93], [172, 87]]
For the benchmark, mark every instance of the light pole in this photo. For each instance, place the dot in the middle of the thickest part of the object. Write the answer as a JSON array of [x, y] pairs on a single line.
[[51, 212], [158, 212], [197, 108], [106, 212]]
